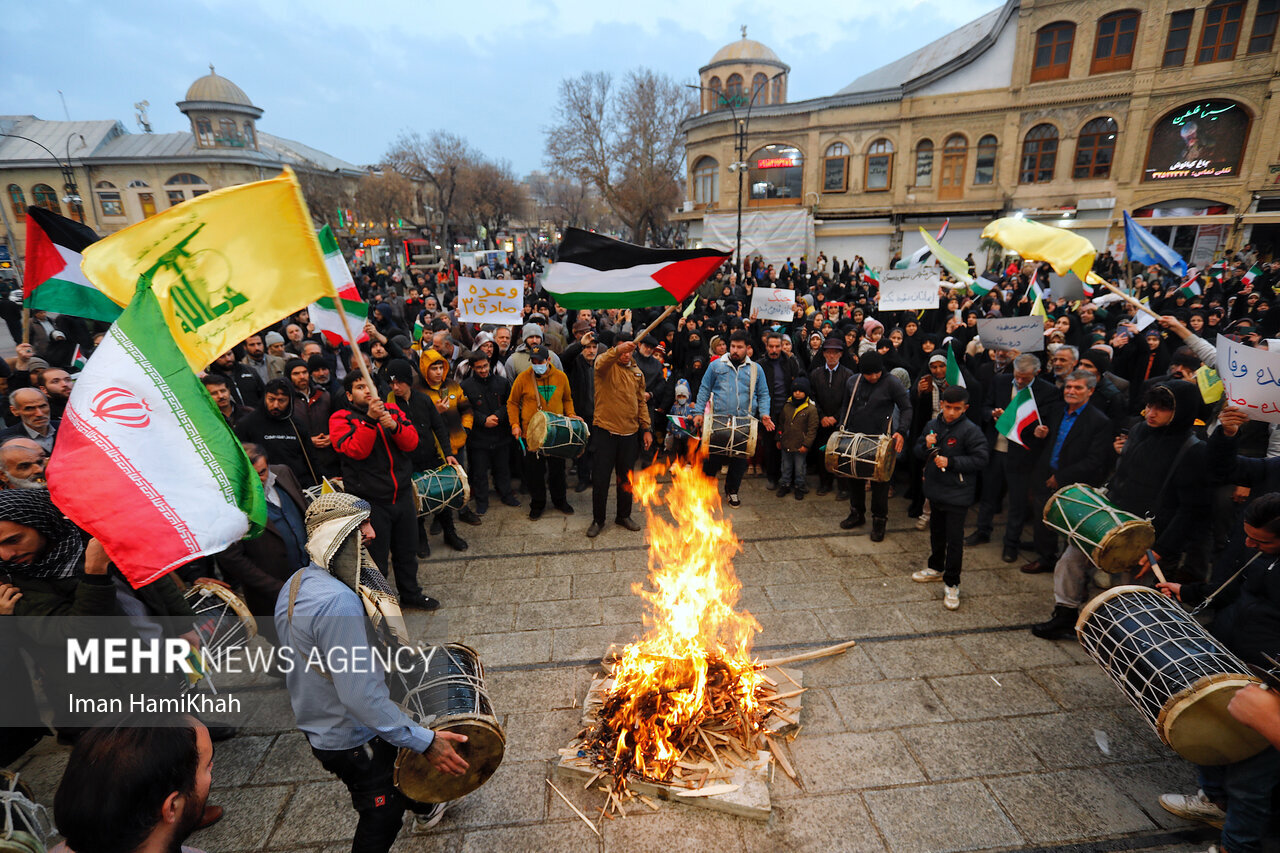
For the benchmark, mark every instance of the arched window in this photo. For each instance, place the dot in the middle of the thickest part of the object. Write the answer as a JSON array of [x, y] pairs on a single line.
[[1113, 46], [204, 132], [1052, 59], [184, 178], [835, 168], [1039, 154], [706, 181], [42, 195], [777, 90], [227, 132], [760, 89], [924, 163], [733, 90], [879, 166], [18, 201], [714, 86], [1221, 31], [955, 159], [248, 135], [133, 185], [109, 199], [776, 172], [984, 168], [1095, 149]]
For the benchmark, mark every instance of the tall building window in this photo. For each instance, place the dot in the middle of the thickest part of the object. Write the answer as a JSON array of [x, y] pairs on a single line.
[[1264, 26], [1175, 45], [1095, 149], [984, 167], [109, 199], [714, 86], [18, 202], [924, 163], [760, 89], [733, 91], [176, 198], [204, 132], [777, 90], [1052, 60], [706, 181], [835, 168], [879, 166], [1113, 47], [1039, 154], [227, 134], [249, 136], [1221, 31], [955, 156], [42, 195]]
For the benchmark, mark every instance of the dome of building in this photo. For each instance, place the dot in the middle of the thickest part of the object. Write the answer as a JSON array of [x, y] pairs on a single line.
[[217, 89], [745, 50]]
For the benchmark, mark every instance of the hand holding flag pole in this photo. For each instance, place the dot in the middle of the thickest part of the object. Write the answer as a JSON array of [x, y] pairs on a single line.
[[355, 348], [1118, 292]]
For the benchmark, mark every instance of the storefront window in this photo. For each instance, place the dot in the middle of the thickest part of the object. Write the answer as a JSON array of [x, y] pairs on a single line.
[[777, 172]]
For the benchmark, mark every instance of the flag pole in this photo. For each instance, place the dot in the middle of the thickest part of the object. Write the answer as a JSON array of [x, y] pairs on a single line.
[[351, 338], [656, 323], [1140, 305]]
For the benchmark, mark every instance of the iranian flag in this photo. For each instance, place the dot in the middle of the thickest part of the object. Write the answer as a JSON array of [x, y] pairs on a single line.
[[53, 280], [1254, 272], [594, 271], [870, 276], [323, 312], [1020, 414], [144, 461]]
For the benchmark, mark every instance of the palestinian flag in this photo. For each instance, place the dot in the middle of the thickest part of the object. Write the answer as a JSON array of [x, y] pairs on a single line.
[[78, 359], [594, 271], [981, 286], [144, 461], [954, 376], [1218, 271], [1254, 272], [1018, 415], [1191, 285], [919, 256], [323, 312], [53, 279]]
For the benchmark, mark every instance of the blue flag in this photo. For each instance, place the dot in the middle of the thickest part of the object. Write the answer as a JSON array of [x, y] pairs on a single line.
[[1142, 246]]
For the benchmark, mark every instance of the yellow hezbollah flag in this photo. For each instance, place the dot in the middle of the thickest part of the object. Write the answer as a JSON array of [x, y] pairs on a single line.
[[954, 264], [1061, 249], [223, 265]]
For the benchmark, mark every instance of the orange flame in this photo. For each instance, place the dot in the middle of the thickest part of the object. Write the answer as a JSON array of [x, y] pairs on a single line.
[[693, 633]]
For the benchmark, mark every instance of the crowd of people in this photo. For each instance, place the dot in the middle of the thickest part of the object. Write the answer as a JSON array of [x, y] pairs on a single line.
[[1120, 405]]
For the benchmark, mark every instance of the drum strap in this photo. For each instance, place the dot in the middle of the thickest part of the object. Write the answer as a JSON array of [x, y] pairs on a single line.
[[849, 408], [294, 586]]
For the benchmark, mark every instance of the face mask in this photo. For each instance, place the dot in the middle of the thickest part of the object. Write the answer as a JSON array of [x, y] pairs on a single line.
[[540, 369]]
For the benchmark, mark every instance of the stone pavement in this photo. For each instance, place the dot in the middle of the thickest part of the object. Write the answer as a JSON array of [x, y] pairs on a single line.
[[940, 731]]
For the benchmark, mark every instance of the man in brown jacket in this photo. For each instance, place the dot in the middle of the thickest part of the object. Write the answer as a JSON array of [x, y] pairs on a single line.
[[621, 424]]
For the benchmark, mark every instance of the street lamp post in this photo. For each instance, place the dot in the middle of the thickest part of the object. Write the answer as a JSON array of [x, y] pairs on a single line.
[[72, 196], [740, 146]]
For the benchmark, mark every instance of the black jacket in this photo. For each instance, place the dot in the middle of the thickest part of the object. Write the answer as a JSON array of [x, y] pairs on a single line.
[[965, 448], [789, 369], [582, 378], [243, 381], [433, 435], [874, 404], [1086, 452], [489, 397], [286, 440], [829, 388], [999, 394]]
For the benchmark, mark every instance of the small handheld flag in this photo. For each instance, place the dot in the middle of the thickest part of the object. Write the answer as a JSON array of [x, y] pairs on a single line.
[[1018, 415], [1142, 246], [1254, 272], [324, 312], [954, 376]]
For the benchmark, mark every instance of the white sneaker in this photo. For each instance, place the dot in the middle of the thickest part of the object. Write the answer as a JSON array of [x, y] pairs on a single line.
[[1196, 807], [426, 820], [733, 499], [922, 523], [951, 597], [926, 575]]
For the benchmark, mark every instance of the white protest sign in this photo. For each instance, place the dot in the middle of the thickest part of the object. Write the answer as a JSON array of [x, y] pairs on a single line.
[[772, 303], [1251, 378], [490, 301], [909, 290], [1025, 334]]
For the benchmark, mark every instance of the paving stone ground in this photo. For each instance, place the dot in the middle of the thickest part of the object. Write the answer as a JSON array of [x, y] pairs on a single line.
[[940, 731]]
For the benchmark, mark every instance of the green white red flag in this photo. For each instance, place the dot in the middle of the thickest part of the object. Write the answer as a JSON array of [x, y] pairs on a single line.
[[323, 312], [52, 278], [594, 271], [1254, 272], [1018, 415], [144, 461], [78, 359]]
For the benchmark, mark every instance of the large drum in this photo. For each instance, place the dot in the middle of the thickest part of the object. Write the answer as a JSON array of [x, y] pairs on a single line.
[[557, 435], [223, 622], [25, 825], [1112, 539], [446, 487], [728, 435], [444, 691], [864, 457], [1178, 676]]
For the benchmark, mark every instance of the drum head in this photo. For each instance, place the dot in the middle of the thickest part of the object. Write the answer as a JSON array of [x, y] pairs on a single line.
[[536, 434], [418, 780], [231, 600], [1122, 548], [1196, 725]]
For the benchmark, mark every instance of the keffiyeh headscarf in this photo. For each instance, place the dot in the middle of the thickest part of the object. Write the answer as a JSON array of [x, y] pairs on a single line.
[[64, 545]]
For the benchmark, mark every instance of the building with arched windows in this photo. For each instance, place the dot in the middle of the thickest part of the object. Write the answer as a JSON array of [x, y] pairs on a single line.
[[1063, 111], [123, 177]]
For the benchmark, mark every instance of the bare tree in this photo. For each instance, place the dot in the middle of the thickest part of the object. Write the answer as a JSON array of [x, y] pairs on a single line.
[[439, 160], [625, 141], [325, 193], [489, 195], [385, 198]]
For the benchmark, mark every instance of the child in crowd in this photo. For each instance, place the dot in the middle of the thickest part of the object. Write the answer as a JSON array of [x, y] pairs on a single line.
[[680, 424], [954, 452], [798, 429]]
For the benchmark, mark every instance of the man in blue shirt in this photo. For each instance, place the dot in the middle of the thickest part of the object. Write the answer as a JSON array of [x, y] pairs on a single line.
[[337, 688], [735, 386]]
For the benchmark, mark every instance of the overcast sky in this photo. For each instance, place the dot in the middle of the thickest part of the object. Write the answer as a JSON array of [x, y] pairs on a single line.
[[346, 77]]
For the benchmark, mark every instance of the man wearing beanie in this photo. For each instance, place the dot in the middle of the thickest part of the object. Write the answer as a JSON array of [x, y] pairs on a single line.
[[322, 376], [876, 404], [828, 380], [519, 362]]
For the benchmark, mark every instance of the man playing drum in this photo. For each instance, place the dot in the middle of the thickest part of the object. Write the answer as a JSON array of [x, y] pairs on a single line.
[[541, 386], [346, 712], [622, 423], [735, 386], [872, 399]]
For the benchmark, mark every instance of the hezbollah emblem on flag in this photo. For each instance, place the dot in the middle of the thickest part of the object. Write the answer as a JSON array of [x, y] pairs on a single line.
[[202, 291]]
